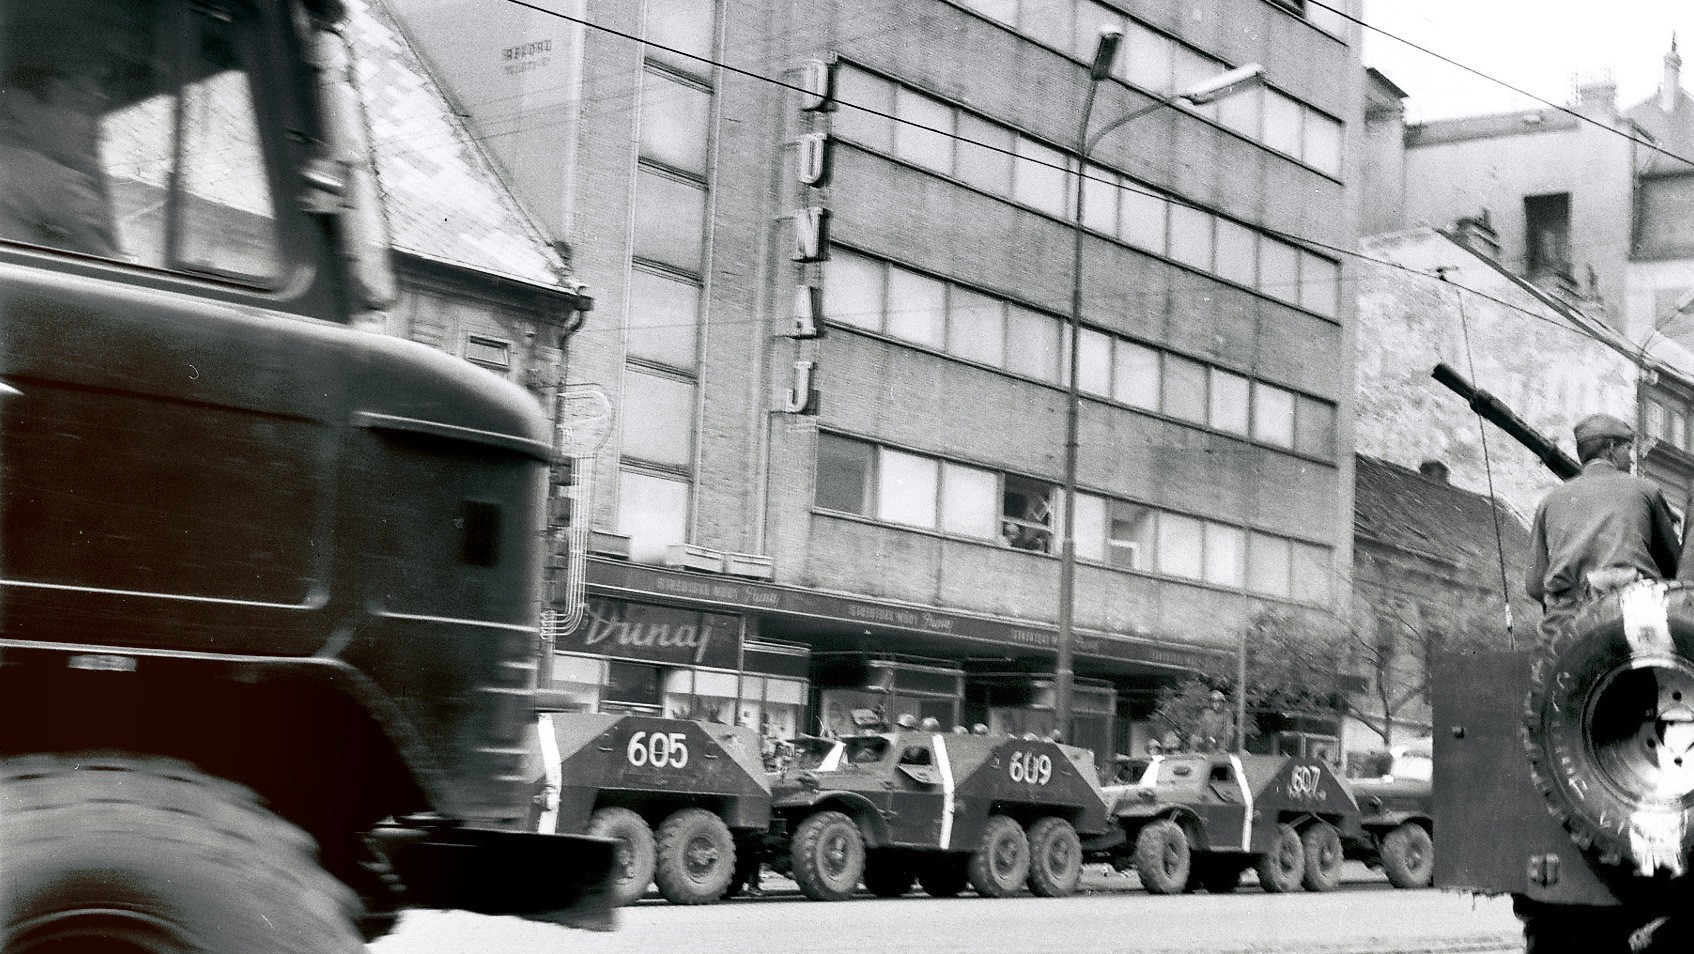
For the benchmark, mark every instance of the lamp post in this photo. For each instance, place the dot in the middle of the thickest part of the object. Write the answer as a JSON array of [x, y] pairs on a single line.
[[1211, 90]]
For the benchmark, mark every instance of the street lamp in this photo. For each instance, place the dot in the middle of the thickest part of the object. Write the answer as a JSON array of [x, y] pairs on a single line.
[[1224, 84]]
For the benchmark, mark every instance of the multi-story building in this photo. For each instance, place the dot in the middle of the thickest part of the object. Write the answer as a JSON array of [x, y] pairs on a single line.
[[830, 245]]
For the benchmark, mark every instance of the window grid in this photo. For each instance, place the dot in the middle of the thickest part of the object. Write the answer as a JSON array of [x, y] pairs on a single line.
[[1161, 64], [1110, 531], [1113, 369], [1174, 230]]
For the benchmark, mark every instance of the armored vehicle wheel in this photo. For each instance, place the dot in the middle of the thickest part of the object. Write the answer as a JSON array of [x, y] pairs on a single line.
[[1162, 857], [134, 854], [888, 873], [635, 852], [828, 856], [1215, 876], [695, 860], [1055, 858], [945, 876], [1281, 868], [1408, 856], [1000, 866], [1320, 843]]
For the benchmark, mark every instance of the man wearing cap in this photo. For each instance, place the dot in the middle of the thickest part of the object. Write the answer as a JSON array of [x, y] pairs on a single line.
[[1602, 530]]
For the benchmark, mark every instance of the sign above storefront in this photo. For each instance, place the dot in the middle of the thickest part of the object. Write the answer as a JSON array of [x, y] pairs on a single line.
[[656, 634], [622, 577]]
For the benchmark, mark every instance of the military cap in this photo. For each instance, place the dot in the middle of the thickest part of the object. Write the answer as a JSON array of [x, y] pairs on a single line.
[[1596, 426]]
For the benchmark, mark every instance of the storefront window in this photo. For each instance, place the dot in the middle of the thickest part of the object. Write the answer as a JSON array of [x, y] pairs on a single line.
[[579, 678], [772, 705], [700, 696], [630, 687]]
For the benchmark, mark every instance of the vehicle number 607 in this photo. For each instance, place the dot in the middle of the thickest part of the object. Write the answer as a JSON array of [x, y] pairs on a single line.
[[1036, 768], [658, 749]]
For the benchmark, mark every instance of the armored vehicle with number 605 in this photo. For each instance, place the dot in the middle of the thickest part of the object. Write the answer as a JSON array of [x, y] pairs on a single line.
[[1199, 821], [946, 811], [682, 800]]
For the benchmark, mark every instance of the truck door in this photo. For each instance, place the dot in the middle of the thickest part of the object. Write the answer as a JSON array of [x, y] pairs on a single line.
[[168, 421], [918, 792]]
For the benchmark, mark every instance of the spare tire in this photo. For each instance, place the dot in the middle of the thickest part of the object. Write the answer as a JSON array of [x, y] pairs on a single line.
[[1609, 727]]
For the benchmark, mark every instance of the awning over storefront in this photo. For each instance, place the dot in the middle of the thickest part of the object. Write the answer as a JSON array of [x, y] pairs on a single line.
[[830, 612]]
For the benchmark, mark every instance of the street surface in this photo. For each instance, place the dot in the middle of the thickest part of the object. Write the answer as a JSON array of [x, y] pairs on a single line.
[[1365, 916]]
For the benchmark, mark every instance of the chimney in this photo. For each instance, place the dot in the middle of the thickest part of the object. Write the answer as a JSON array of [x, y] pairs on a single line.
[[1476, 233], [1672, 82], [1434, 470], [1597, 97]]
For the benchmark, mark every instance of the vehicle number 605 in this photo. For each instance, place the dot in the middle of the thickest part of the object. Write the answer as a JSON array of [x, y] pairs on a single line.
[[658, 749], [1036, 768]]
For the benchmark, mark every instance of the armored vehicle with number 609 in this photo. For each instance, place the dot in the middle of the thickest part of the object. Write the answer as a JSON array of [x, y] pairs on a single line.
[[1199, 821], [944, 810], [684, 801]]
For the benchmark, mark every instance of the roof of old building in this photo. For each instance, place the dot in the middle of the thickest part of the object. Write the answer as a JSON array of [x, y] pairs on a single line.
[[1398, 507], [1671, 131], [445, 199], [1520, 123]]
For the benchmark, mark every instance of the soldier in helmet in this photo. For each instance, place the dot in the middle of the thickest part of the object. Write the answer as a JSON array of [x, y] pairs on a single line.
[[1604, 529]]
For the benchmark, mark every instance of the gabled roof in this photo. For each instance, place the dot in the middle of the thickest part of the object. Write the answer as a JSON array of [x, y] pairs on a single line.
[[1521, 123], [444, 196], [1671, 131], [1400, 508]]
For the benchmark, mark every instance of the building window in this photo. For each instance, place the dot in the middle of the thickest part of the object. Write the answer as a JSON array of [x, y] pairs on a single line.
[[664, 319], [670, 221], [1309, 574], [1094, 363], [987, 166], [1314, 427], [675, 123], [1225, 550], [1185, 389], [1026, 514], [686, 26], [579, 678], [906, 488], [1547, 238], [772, 705], [660, 429], [1143, 220], [1273, 415], [701, 695], [652, 512], [917, 308], [1666, 228], [1181, 546], [853, 290], [968, 500], [491, 353], [1267, 565], [844, 475], [1032, 344], [631, 687], [1130, 539], [1229, 402], [976, 327], [1136, 379], [1090, 527], [923, 131], [1039, 176]]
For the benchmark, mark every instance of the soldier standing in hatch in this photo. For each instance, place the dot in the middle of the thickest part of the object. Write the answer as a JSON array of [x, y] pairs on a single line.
[[1214, 731], [1602, 530]]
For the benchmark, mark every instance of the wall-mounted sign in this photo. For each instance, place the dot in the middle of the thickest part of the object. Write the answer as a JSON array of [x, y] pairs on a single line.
[[814, 159], [802, 395], [811, 234], [657, 634], [808, 307], [814, 80]]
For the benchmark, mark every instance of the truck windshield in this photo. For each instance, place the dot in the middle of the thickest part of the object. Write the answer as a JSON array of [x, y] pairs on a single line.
[[129, 131]]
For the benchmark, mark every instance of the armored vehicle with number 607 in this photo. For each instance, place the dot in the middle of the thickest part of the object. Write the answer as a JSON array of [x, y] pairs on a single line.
[[684, 801], [944, 810], [1199, 821]]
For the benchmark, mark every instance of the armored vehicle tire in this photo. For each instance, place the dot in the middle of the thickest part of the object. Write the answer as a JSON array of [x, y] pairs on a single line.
[[1000, 865], [636, 851], [888, 873], [1320, 843], [1408, 856], [1281, 868], [945, 876], [1605, 726], [695, 860], [828, 856], [1215, 875], [1162, 857], [1055, 858], [128, 853]]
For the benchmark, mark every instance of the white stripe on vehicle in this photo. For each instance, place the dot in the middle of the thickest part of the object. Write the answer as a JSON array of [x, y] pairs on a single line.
[[1150, 777], [552, 769], [1246, 804], [1644, 622], [946, 769]]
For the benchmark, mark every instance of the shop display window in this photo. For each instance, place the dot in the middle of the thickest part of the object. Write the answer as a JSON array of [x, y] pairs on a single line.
[[772, 705], [579, 678], [700, 695], [630, 687]]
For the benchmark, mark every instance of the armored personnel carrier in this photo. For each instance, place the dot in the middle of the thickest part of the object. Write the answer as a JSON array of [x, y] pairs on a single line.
[[1397, 824], [1199, 821], [946, 811], [682, 800]]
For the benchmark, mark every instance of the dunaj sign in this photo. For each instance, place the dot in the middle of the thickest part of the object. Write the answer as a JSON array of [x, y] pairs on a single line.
[[657, 634]]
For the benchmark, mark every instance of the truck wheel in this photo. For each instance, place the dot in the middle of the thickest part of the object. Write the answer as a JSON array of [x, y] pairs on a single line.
[[1216, 876], [1162, 857], [828, 856], [1281, 868], [696, 857], [1408, 856], [1055, 858], [887, 875], [116, 852], [1320, 843], [1000, 866], [635, 851], [945, 876]]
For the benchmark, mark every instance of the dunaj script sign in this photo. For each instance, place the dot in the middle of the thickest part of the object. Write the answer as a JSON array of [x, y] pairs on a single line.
[[657, 634]]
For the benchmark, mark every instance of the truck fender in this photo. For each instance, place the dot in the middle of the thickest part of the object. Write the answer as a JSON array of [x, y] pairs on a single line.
[[871, 824]]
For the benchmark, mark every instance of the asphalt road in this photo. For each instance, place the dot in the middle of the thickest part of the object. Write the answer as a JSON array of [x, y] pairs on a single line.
[[1364, 915]]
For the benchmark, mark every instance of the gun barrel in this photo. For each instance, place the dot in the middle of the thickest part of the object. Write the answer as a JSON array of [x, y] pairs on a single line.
[[1493, 410]]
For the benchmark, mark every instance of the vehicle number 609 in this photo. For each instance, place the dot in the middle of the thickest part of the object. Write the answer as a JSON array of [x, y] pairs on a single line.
[[658, 749], [1036, 768]]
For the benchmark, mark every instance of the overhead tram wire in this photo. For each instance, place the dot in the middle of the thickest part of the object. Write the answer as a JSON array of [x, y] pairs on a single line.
[[1493, 79], [1639, 356]]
